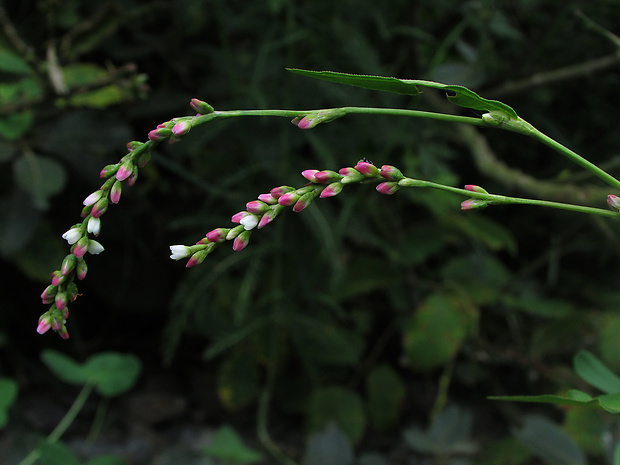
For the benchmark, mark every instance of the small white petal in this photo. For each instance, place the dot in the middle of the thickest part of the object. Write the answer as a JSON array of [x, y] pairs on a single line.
[[95, 247], [179, 251], [72, 235], [92, 198], [249, 221], [94, 226]]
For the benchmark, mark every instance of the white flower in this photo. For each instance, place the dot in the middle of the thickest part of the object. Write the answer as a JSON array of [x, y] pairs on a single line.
[[249, 221], [95, 247], [179, 251], [72, 236], [93, 226], [92, 198]]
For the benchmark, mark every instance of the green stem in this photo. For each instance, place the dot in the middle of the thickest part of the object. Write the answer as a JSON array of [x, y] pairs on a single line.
[[263, 411], [511, 124], [523, 127], [341, 111], [496, 199], [62, 426]]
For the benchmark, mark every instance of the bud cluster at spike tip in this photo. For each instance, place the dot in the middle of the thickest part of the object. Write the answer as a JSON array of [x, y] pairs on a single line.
[[259, 213], [63, 289]]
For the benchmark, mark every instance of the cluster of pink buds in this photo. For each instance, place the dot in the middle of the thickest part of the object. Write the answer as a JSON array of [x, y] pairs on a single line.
[[474, 203], [259, 213], [63, 289]]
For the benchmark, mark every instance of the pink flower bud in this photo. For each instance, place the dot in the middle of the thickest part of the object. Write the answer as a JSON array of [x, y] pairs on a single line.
[[58, 278], [257, 207], [217, 235], [201, 107], [237, 217], [115, 192], [473, 188], [93, 198], [241, 241], [81, 269], [124, 171], [388, 188], [44, 324], [61, 300], [613, 201], [309, 174], [160, 134], [327, 177], [472, 204], [56, 324], [267, 218], [133, 145], [391, 172], [99, 208], [47, 296], [80, 248], [108, 171], [303, 202], [181, 128], [68, 264], [63, 333], [333, 189], [288, 199], [278, 192], [131, 180], [268, 199], [351, 175], [197, 258], [367, 169]]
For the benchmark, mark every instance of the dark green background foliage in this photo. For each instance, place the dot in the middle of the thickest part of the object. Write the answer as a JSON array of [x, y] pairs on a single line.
[[368, 312]]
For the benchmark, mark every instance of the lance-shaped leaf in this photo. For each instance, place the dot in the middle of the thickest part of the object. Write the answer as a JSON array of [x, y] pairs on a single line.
[[609, 402], [458, 95]]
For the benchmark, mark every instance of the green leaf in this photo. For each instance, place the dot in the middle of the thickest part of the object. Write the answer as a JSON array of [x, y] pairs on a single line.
[[112, 373], [591, 369], [8, 394], [385, 392], [15, 125], [608, 345], [458, 95], [56, 454], [342, 406], [64, 367], [546, 440], [228, 446], [609, 402], [12, 63], [40, 176], [328, 447], [435, 332]]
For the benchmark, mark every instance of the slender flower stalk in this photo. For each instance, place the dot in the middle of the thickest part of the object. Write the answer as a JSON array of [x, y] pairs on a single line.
[[259, 213]]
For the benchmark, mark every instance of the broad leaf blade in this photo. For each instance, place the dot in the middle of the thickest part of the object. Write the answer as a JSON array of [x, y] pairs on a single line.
[[458, 95], [593, 371], [388, 84]]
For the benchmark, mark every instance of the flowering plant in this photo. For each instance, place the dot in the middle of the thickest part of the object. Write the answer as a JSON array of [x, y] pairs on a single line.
[[321, 183]]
